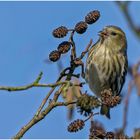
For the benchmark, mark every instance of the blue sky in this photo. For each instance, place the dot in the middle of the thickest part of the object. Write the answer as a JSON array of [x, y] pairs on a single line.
[[26, 41]]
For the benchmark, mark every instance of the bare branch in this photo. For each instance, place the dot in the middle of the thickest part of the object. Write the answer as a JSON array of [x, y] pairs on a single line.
[[34, 84], [126, 104], [39, 117], [86, 50]]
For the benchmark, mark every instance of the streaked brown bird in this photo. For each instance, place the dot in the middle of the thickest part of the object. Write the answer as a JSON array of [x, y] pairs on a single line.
[[106, 65]]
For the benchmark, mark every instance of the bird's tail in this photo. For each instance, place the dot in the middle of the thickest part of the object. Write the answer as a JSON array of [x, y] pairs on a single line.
[[105, 110]]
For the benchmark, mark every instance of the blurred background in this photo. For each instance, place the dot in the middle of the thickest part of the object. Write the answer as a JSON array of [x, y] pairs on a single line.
[[26, 41]]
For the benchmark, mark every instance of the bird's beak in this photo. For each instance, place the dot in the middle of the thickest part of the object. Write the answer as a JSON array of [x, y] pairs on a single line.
[[103, 33]]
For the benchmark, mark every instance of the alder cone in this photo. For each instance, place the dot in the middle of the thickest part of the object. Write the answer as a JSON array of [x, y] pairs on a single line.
[[64, 47], [92, 17], [76, 125], [54, 56], [60, 32], [81, 27]]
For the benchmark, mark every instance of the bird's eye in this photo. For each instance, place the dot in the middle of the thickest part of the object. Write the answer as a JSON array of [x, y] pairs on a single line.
[[113, 33]]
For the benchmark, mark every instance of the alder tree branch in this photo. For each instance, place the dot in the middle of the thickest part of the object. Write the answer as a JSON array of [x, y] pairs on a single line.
[[68, 73], [84, 102], [39, 117]]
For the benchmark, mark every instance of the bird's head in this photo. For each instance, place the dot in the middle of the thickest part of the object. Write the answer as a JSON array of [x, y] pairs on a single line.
[[114, 37]]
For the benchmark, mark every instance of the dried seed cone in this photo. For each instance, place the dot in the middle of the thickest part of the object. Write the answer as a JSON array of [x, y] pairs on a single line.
[[64, 47], [76, 125], [92, 17], [107, 93], [110, 135], [86, 103], [81, 27], [60, 32], [108, 99], [54, 56], [115, 101], [97, 131]]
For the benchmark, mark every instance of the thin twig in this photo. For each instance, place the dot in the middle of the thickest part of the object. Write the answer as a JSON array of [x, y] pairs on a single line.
[[8, 88], [65, 103], [51, 91], [78, 61], [38, 118], [86, 50], [73, 50], [126, 104], [91, 115], [44, 101], [33, 84]]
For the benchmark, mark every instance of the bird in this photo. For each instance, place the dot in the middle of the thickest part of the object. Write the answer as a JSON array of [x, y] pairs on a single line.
[[107, 63]]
